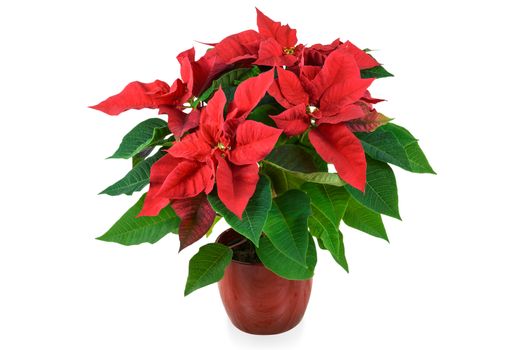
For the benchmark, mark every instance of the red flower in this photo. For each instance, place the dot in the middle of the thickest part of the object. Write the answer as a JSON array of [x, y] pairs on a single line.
[[273, 45], [225, 150], [317, 54], [325, 99], [278, 47], [173, 100], [196, 76]]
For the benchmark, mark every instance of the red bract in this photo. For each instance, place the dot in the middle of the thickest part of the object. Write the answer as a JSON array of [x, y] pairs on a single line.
[[326, 96], [273, 45], [173, 101], [196, 217], [370, 121], [279, 44], [317, 54], [196, 76], [225, 150]]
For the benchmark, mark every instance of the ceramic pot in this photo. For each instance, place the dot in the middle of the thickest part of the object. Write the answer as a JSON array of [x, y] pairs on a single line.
[[258, 301]]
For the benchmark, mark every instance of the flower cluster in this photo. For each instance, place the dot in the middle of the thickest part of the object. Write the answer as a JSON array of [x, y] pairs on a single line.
[[317, 91]]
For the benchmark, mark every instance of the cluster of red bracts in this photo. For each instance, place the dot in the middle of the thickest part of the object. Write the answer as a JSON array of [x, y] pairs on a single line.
[[320, 88]]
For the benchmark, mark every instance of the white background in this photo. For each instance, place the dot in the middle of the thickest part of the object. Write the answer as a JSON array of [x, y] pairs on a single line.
[[451, 277]]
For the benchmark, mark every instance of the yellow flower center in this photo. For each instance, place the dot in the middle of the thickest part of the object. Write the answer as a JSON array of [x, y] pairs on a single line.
[[289, 50]]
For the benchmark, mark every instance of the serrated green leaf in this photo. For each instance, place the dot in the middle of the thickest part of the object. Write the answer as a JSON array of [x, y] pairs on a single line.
[[135, 180], [330, 200], [375, 72], [297, 178], [140, 157], [255, 214], [146, 134], [384, 146], [286, 225], [283, 266], [364, 219], [131, 230], [330, 236], [207, 266], [381, 189], [296, 158], [418, 163]]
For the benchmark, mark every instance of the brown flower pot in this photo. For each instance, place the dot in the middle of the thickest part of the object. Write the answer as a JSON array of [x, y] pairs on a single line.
[[258, 301]]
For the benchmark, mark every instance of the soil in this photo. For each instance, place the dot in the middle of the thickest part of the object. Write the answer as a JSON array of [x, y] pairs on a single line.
[[244, 251]]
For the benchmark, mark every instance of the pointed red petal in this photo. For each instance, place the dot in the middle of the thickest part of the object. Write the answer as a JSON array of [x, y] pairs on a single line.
[[369, 122], [336, 144], [309, 72], [285, 36], [237, 47], [254, 141], [196, 216], [186, 59], [276, 93], [191, 147], [236, 184], [187, 180], [367, 98], [293, 121], [198, 74], [338, 96], [349, 112], [363, 59], [159, 171], [269, 53], [179, 122], [291, 87], [249, 93], [212, 118], [136, 95], [339, 67]]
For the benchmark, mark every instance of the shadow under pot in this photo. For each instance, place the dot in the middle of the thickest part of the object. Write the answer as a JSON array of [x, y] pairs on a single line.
[[256, 300]]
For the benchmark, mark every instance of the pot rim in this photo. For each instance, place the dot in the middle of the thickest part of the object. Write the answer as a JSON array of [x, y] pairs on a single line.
[[233, 260]]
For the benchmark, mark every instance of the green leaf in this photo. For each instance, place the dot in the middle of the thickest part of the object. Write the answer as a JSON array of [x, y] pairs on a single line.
[[375, 72], [296, 158], [281, 181], [364, 219], [384, 146], [328, 207], [330, 236], [418, 163], [146, 134], [297, 178], [131, 230], [331, 201], [207, 266], [286, 166], [255, 214], [229, 82], [381, 189], [135, 180], [283, 266], [286, 225], [140, 157]]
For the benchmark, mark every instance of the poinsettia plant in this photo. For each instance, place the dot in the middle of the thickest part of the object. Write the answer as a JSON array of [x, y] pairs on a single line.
[[251, 128]]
